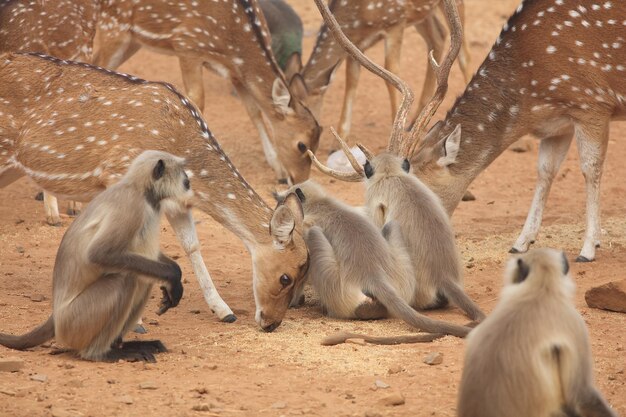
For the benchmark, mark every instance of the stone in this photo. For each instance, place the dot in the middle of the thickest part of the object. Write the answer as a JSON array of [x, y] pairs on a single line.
[[610, 296], [201, 407], [38, 298], [61, 412], [279, 405], [39, 377], [11, 364], [468, 196], [394, 399], [433, 358], [395, 369], [381, 384], [148, 385], [372, 414], [126, 399]]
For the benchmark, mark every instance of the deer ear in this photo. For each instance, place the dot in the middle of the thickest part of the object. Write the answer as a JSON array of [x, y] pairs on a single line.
[[287, 215], [298, 90], [293, 66], [451, 145], [281, 96]]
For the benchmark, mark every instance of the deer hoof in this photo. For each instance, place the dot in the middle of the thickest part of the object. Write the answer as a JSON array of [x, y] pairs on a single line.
[[514, 250], [231, 318], [581, 258], [39, 196], [140, 329]]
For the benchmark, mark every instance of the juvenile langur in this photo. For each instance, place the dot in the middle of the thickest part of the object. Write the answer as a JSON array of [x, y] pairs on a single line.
[[108, 261], [357, 272], [531, 356], [394, 195]]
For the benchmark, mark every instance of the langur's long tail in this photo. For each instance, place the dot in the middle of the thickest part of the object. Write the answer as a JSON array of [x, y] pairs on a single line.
[[35, 337]]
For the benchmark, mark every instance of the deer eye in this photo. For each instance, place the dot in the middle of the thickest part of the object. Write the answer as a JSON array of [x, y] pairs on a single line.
[[302, 147], [285, 280]]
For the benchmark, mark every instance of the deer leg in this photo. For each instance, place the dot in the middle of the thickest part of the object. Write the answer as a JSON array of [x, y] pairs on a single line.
[[257, 118], [114, 49], [552, 152], [51, 207], [183, 225], [73, 208], [353, 71], [464, 57], [393, 49], [592, 144], [191, 70]]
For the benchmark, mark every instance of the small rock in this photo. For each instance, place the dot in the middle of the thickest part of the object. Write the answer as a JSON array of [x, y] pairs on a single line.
[[60, 412], [195, 311], [148, 385], [201, 407], [392, 399], [20, 249], [468, 196], [74, 383], [433, 358], [8, 392], [153, 322], [38, 298], [610, 296], [372, 414], [126, 399], [201, 390], [395, 369], [357, 341], [11, 364], [279, 405], [68, 365], [39, 377], [381, 384]]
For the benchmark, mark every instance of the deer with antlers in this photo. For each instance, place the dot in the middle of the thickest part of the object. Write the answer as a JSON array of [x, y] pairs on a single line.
[[393, 196], [568, 82], [232, 39], [365, 23], [74, 129]]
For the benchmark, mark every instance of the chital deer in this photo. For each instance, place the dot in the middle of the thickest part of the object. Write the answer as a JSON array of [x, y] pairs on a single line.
[[230, 37], [365, 23], [285, 26], [64, 29], [394, 197], [556, 71], [74, 129]]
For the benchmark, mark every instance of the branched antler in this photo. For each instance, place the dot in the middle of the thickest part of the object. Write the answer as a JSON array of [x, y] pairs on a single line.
[[441, 72], [400, 142]]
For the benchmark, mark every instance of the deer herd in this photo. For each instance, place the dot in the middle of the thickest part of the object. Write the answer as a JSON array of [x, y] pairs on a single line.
[[83, 132]]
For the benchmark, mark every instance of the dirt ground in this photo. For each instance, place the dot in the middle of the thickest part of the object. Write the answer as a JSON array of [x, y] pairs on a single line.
[[235, 369]]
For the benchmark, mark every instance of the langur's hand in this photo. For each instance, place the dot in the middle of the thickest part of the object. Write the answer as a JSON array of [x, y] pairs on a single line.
[[172, 294]]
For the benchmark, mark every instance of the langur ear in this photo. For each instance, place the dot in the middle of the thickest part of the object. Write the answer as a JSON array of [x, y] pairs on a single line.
[[158, 170], [523, 269]]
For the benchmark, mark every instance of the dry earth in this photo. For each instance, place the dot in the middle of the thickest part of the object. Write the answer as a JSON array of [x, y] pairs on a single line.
[[236, 369]]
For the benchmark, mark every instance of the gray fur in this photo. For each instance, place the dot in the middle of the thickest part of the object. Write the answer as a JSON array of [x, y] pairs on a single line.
[[109, 259], [354, 269], [531, 356], [394, 195]]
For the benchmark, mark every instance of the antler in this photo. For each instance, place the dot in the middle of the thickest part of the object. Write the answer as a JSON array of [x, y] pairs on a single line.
[[343, 176], [397, 133], [442, 72]]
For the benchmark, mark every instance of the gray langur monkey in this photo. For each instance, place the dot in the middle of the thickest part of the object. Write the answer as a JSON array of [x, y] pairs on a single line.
[[392, 194], [357, 271], [531, 356], [108, 261]]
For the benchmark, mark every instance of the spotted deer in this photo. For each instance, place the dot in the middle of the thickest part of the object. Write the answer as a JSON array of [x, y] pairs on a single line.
[[231, 38], [365, 23], [74, 129], [556, 71], [64, 29]]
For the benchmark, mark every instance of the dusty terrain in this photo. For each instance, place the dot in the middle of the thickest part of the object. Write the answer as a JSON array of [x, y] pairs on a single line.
[[237, 370]]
